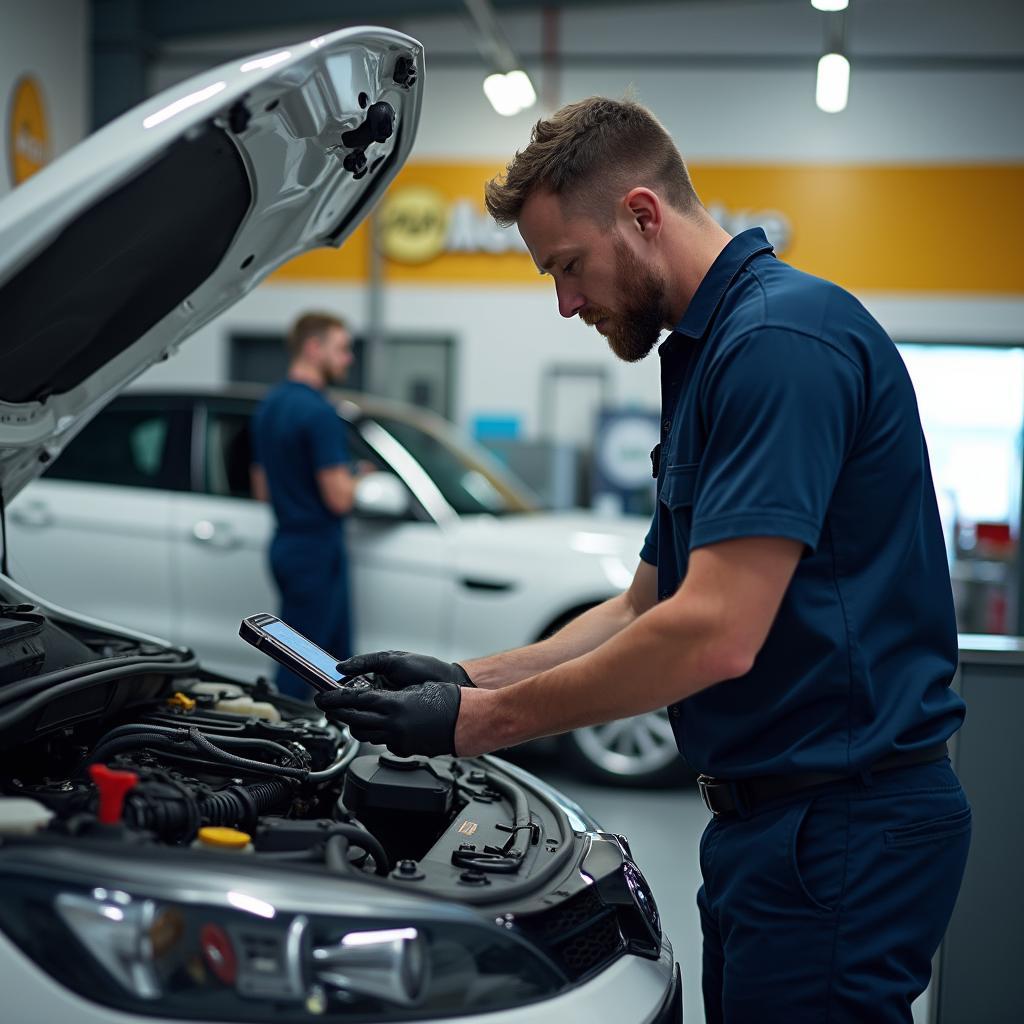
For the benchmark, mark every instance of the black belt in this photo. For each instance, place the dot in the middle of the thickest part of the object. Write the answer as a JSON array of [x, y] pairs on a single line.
[[720, 795]]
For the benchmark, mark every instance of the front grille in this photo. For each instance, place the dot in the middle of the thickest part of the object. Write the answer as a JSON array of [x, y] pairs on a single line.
[[593, 947], [580, 934], [568, 916]]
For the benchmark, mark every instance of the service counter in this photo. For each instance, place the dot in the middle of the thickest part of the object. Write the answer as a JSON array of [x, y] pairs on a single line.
[[980, 969]]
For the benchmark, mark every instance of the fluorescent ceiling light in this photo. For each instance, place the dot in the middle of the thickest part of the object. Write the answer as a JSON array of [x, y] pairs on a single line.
[[833, 83], [830, 5], [509, 94]]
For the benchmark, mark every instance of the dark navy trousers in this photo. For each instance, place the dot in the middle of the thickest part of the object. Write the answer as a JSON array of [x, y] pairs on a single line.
[[311, 572], [828, 907]]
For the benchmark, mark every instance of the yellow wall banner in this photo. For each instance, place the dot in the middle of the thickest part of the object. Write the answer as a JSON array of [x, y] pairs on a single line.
[[28, 131], [913, 228]]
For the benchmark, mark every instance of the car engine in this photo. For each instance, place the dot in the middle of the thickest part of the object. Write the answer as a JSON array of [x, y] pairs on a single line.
[[215, 766], [136, 788]]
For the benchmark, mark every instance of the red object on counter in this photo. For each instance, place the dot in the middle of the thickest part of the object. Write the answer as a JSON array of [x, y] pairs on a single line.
[[114, 786], [993, 533]]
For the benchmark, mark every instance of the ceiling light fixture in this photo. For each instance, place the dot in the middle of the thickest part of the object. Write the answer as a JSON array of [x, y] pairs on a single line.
[[509, 89], [833, 88], [830, 5], [510, 93]]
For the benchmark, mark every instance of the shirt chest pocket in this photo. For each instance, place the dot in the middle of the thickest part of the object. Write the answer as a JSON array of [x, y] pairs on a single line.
[[676, 512]]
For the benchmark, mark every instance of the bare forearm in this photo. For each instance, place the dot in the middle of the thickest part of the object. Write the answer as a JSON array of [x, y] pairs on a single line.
[[258, 483], [583, 634], [710, 630], [658, 659]]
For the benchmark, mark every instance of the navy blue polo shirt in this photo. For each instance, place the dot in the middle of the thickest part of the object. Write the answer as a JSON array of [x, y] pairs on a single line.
[[295, 433], [788, 412]]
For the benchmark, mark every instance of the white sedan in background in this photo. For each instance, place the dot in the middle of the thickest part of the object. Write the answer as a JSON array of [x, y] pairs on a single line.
[[149, 509]]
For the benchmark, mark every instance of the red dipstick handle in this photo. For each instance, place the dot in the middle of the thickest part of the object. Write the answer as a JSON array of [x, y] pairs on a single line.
[[114, 786]]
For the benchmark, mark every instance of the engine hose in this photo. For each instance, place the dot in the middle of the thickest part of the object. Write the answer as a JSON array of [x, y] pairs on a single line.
[[101, 669], [243, 762], [181, 741], [164, 807], [136, 740], [52, 691], [180, 732], [243, 805], [343, 836], [170, 810]]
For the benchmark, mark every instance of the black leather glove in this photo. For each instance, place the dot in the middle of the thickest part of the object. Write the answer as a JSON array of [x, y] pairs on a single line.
[[395, 670], [417, 720]]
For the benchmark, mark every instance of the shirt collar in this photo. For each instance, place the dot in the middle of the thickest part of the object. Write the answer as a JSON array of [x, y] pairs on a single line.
[[731, 260]]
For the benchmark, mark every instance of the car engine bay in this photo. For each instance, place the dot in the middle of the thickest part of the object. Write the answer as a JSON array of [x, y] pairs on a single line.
[[138, 738], [115, 750]]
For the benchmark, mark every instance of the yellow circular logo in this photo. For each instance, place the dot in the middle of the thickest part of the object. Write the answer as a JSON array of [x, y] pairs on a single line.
[[28, 134], [412, 225]]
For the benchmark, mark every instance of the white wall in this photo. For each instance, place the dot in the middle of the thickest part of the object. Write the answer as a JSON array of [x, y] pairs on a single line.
[[735, 114], [48, 39]]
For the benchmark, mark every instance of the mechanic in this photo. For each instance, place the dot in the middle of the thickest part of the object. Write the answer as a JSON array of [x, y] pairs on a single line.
[[792, 606], [301, 466]]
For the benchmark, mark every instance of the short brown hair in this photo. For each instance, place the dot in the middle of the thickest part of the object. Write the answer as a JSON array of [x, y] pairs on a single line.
[[591, 153], [310, 325]]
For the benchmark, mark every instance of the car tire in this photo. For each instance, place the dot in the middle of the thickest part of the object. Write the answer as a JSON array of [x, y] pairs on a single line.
[[637, 752]]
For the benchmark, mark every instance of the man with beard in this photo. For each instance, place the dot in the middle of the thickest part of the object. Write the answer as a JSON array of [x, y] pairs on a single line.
[[792, 605], [301, 466]]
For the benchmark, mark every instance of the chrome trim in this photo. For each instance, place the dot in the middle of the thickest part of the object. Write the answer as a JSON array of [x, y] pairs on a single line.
[[197, 447], [412, 473]]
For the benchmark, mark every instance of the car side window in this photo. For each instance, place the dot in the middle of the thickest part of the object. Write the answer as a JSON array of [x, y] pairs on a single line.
[[129, 446], [229, 451]]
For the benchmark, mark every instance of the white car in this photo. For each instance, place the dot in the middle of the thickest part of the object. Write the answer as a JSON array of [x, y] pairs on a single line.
[[178, 845], [147, 519]]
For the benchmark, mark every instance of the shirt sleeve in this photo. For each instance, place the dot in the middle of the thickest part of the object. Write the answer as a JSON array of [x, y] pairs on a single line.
[[327, 439], [649, 552], [782, 410]]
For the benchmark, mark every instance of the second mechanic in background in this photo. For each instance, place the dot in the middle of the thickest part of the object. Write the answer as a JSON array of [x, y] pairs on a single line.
[[301, 465]]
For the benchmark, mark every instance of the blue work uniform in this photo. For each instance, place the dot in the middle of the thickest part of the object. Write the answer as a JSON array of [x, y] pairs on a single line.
[[295, 433], [788, 412]]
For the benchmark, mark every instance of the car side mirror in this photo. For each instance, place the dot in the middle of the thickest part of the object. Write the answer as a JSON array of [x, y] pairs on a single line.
[[382, 496]]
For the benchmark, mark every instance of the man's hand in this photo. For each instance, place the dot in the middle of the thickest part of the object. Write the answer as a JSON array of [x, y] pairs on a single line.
[[417, 720], [395, 670]]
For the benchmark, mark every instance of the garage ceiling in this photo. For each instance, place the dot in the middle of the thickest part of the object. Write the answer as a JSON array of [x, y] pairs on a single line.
[[168, 19], [129, 36]]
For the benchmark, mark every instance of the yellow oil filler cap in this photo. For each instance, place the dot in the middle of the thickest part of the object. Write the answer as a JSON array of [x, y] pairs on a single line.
[[179, 700], [213, 837]]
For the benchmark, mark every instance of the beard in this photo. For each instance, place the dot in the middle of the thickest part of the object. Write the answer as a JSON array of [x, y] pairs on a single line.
[[632, 333]]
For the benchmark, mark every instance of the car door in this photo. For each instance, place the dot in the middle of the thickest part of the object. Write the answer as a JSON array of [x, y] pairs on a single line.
[[221, 538], [400, 576], [94, 534], [403, 575]]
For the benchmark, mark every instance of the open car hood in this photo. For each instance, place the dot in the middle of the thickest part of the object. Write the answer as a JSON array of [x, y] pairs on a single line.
[[118, 251]]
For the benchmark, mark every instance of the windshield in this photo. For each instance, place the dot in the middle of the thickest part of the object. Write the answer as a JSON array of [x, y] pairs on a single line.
[[472, 481]]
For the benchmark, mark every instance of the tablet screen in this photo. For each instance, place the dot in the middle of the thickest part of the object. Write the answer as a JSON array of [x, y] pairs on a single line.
[[305, 649]]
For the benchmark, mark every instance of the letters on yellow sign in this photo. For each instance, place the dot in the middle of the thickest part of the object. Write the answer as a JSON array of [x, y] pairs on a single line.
[[877, 228], [28, 133]]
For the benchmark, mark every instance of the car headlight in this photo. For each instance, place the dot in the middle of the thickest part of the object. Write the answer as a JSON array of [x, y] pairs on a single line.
[[207, 945]]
